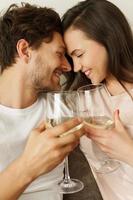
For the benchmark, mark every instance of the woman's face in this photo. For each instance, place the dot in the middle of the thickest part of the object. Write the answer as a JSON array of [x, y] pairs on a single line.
[[88, 55]]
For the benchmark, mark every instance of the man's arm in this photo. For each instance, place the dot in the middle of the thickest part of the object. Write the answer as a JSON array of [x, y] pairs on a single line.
[[44, 150], [14, 180]]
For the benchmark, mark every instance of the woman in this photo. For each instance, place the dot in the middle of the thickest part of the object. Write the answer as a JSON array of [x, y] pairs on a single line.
[[99, 41]]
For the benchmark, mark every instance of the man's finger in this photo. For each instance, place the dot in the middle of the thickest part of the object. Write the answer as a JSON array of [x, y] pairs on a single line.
[[65, 150], [42, 126], [65, 127], [71, 137]]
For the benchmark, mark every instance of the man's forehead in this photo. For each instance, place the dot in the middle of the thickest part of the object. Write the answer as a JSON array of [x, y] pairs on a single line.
[[58, 42], [61, 43], [59, 38]]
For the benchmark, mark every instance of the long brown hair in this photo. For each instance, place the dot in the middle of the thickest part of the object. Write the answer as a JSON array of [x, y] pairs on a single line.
[[103, 22]]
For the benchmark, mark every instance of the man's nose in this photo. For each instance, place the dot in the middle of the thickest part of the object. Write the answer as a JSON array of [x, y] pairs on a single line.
[[66, 65]]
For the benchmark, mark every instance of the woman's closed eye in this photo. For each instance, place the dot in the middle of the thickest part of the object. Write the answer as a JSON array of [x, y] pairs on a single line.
[[78, 56]]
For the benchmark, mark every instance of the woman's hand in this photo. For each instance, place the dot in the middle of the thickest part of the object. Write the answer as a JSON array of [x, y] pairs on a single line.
[[115, 142]]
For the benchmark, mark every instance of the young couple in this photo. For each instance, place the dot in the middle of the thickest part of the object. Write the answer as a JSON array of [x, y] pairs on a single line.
[[32, 57]]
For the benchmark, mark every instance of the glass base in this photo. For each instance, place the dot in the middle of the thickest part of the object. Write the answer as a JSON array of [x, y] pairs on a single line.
[[70, 186], [108, 166]]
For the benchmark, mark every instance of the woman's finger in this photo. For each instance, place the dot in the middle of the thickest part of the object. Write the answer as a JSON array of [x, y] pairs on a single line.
[[89, 131]]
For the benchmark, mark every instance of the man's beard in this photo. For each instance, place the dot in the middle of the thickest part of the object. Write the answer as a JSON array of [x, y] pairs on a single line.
[[40, 85], [39, 88]]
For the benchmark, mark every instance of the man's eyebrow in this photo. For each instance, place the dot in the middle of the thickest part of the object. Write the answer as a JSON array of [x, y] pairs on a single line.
[[63, 48]]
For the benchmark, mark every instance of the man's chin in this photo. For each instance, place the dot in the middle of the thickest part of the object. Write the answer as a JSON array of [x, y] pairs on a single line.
[[56, 88], [47, 88], [52, 88]]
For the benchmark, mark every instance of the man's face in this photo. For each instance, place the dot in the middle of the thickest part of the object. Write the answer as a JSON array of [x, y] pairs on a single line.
[[47, 64]]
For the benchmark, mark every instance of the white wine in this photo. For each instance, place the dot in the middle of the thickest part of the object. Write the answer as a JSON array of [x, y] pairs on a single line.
[[53, 122], [101, 122]]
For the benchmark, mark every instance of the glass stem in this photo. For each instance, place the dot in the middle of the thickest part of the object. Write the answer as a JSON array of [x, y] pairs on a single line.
[[67, 175]]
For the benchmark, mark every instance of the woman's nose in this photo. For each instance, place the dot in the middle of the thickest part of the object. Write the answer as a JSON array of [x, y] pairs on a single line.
[[77, 66]]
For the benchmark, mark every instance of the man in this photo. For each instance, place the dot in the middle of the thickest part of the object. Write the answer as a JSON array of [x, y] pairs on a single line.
[[32, 60]]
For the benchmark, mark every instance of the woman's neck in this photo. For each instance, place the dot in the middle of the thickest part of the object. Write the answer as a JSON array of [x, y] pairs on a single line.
[[115, 87]]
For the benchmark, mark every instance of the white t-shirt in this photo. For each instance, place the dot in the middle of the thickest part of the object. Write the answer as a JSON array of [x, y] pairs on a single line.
[[15, 126], [117, 185]]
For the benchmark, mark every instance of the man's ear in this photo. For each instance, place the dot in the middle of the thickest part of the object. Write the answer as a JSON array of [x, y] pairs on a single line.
[[23, 50]]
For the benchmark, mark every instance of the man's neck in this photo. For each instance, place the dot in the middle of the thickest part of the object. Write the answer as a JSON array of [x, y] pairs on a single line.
[[14, 90]]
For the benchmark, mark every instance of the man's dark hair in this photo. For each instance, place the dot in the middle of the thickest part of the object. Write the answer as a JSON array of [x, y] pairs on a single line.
[[29, 22]]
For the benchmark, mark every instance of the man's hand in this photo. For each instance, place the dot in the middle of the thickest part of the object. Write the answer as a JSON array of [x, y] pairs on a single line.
[[45, 148]]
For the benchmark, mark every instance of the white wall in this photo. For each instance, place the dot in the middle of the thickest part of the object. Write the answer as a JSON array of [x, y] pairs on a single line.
[[126, 7], [61, 6]]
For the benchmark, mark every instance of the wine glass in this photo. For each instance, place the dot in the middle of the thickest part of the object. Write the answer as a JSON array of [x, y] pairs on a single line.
[[60, 107], [93, 101]]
